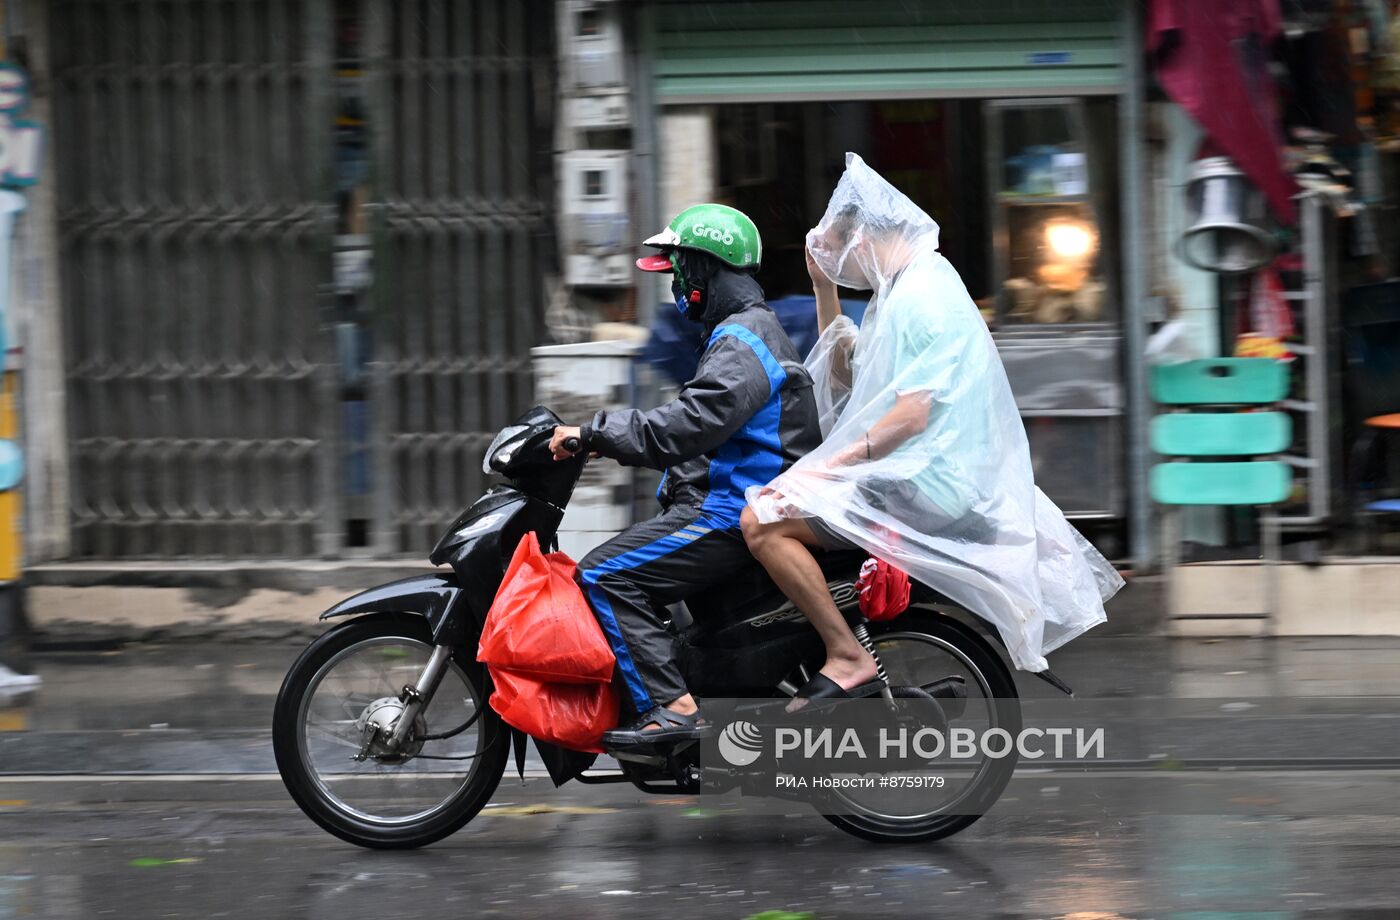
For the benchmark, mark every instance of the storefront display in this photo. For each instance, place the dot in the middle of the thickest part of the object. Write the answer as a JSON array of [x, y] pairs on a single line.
[[1046, 231], [1052, 285]]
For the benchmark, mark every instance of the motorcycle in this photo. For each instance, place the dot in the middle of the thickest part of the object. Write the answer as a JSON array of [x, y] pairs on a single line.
[[384, 735]]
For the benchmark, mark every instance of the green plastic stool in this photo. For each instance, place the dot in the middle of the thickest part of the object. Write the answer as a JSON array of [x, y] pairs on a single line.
[[1214, 440]]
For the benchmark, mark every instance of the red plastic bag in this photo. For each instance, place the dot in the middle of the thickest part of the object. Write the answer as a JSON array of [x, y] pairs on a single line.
[[540, 626], [550, 663], [884, 590], [569, 715]]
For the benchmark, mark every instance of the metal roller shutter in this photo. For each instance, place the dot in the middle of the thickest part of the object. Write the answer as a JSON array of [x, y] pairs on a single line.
[[784, 50]]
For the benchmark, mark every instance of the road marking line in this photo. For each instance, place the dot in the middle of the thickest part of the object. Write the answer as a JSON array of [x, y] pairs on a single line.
[[196, 777]]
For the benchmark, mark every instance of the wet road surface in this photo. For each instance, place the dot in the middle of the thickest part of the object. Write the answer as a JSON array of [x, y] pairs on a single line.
[[610, 852], [166, 809]]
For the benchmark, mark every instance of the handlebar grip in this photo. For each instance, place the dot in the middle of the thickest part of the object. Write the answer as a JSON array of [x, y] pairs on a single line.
[[573, 445]]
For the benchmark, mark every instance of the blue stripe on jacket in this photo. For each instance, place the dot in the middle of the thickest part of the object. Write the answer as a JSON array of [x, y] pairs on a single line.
[[753, 455]]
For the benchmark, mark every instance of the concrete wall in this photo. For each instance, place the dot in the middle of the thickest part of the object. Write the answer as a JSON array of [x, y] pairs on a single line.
[[1341, 597], [38, 314], [688, 162]]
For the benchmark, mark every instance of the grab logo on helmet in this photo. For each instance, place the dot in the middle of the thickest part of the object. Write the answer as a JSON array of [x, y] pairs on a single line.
[[725, 237]]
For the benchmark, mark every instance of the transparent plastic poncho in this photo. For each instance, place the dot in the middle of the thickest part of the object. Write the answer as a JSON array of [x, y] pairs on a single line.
[[948, 495]]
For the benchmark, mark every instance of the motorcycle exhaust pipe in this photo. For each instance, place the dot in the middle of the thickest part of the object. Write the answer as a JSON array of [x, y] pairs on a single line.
[[951, 693]]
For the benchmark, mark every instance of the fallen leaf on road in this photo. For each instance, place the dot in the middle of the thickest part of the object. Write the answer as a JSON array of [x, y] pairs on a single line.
[[147, 862]]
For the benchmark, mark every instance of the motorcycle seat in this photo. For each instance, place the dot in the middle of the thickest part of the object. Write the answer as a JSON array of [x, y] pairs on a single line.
[[751, 586], [750, 583], [836, 562]]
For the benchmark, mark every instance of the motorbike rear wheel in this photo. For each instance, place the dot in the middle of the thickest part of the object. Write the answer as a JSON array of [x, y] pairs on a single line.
[[989, 678], [352, 675]]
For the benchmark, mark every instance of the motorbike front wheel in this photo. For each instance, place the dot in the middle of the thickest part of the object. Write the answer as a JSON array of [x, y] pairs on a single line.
[[334, 763]]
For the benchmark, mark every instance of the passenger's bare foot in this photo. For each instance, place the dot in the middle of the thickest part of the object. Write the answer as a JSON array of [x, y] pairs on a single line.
[[847, 671]]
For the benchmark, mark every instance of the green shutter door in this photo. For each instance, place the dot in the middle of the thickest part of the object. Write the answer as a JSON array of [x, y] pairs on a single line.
[[776, 50]]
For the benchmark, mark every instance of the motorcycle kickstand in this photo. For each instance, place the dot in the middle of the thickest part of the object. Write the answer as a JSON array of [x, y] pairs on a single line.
[[688, 775]]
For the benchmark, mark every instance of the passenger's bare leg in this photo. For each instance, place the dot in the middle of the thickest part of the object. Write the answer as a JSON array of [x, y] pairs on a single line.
[[782, 548]]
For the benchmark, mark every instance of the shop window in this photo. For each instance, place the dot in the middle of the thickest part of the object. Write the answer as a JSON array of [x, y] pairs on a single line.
[[1049, 240], [778, 162]]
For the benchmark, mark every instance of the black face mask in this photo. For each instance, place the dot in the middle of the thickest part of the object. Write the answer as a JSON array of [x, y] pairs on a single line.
[[691, 283], [690, 302]]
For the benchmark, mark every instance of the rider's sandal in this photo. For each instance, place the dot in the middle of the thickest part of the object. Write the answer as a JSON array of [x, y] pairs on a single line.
[[672, 726], [822, 687]]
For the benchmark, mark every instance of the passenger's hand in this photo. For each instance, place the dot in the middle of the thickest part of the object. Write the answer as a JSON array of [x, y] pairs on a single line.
[[777, 502], [556, 442], [820, 282], [767, 491]]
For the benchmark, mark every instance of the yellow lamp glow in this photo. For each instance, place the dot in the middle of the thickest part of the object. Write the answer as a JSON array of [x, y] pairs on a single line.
[[1069, 240]]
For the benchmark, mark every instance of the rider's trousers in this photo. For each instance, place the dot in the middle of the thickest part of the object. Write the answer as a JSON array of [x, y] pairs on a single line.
[[629, 580]]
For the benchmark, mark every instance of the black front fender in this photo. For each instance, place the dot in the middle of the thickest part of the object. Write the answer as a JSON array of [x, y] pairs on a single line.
[[434, 596]]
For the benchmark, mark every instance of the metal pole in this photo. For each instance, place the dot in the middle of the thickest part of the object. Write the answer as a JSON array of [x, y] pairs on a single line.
[[1131, 164], [1272, 540], [381, 369], [646, 207], [325, 389]]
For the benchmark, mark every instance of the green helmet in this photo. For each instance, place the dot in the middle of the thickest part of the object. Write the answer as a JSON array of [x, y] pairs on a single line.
[[722, 231]]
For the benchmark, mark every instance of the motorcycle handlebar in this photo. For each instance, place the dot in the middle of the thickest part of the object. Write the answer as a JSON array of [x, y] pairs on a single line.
[[573, 445]]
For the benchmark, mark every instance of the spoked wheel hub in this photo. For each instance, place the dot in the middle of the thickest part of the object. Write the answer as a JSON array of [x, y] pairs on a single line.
[[376, 729]]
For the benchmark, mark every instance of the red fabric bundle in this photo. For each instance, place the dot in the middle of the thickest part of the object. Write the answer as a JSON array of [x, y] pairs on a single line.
[[884, 590]]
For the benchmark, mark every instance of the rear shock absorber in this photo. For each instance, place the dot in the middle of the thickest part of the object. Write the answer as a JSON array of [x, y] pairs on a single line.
[[863, 637]]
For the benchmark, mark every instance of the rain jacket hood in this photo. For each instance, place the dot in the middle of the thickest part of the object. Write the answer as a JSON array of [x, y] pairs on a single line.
[[955, 503]]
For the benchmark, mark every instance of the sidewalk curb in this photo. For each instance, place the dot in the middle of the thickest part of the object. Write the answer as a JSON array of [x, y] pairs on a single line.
[[148, 602], [88, 603]]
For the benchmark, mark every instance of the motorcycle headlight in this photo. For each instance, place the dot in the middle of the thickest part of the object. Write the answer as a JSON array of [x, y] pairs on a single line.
[[502, 448]]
